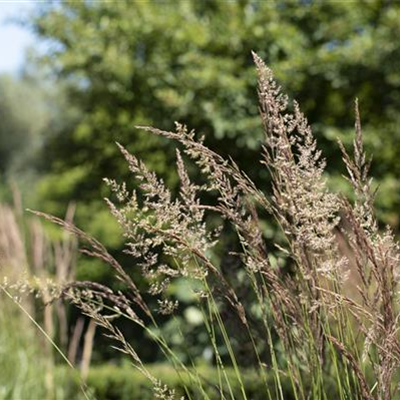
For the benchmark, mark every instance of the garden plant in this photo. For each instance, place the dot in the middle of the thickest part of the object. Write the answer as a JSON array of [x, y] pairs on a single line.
[[323, 318]]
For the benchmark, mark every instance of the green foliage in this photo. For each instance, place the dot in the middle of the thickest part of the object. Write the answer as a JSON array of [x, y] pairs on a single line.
[[153, 62], [109, 382]]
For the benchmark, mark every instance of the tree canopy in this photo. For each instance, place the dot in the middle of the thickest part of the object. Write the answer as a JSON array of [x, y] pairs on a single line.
[[156, 62]]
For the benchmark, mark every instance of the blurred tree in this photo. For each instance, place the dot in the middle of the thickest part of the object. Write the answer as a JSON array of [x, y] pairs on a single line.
[[22, 117], [30, 108], [154, 62]]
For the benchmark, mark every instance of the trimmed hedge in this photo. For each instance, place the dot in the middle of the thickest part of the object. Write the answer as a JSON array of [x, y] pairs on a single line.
[[110, 382]]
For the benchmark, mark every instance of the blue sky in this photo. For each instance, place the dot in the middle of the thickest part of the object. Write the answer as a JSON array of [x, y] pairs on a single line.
[[14, 39]]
